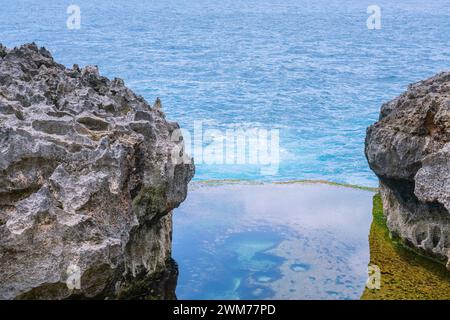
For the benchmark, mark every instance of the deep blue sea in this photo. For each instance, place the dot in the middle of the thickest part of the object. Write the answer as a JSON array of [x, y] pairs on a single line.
[[311, 69]]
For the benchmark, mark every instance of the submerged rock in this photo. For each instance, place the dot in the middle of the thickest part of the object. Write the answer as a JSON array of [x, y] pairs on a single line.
[[89, 175], [409, 150]]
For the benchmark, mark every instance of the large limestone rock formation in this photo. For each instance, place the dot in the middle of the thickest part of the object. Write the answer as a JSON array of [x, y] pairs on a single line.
[[409, 150], [89, 175]]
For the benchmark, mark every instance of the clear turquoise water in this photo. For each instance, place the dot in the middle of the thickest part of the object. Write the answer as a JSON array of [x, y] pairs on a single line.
[[310, 68], [297, 241]]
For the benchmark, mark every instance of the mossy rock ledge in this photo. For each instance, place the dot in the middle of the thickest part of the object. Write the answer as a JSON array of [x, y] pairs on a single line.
[[409, 151], [88, 181], [408, 148], [406, 274]]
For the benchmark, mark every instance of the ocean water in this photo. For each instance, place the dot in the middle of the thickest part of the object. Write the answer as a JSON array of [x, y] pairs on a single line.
[[311, 69], [294, 241]]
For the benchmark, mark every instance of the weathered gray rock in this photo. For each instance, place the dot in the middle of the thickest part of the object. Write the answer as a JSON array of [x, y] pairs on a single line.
[[89, 175], [409, 150]]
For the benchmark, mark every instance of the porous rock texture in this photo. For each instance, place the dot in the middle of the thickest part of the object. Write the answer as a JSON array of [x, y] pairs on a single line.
[[89, 175], [409, 150]]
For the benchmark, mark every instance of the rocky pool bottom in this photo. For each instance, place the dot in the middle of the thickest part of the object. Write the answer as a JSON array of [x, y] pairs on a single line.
[[290, 241]]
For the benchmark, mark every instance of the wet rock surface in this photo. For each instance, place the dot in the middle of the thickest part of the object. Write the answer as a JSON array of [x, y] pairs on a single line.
[[409, 150], [89, 175]]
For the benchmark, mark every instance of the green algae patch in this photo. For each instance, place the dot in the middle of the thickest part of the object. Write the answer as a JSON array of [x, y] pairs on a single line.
[[258, 182], [331, 183], [222, 182], [405, 275], [150, 202]]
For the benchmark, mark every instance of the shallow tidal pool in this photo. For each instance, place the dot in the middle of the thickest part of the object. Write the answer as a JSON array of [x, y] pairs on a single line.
[[272, 241]]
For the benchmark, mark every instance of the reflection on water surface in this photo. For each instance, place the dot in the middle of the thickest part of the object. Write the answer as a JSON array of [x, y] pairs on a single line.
[[269, 241]]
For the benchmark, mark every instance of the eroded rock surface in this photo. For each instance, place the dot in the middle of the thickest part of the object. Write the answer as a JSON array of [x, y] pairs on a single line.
[[409, 150], [89, 175]]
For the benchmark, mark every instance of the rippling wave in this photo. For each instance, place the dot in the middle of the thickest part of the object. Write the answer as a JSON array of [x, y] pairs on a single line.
[[310, 68]]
